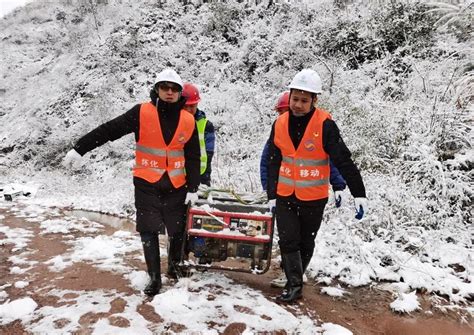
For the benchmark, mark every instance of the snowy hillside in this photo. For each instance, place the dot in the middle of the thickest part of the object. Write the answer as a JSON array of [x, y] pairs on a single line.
[[398, 81]]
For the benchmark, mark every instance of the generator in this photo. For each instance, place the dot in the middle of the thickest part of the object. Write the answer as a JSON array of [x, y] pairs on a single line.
[[228, 233]]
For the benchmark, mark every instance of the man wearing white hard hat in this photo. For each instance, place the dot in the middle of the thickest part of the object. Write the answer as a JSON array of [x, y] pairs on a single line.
[[300, 146], [166, 171]]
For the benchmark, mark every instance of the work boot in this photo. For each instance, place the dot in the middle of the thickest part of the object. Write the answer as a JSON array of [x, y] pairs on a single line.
[[281, 281], [151, 250], [294, 273], [174, 256], [154, 285]]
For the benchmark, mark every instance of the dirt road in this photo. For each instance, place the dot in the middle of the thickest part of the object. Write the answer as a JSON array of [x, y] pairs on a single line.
[[364, 311]]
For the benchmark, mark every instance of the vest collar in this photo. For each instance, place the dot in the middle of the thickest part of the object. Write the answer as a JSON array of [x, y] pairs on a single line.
[[199, 115]]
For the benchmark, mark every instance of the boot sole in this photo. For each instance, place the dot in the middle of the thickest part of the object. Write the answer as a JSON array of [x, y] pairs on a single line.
[[280, 301], [283, 285], [151, 294]]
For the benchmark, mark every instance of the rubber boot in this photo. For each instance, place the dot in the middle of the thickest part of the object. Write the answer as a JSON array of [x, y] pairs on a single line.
[[151, 249], [174, 256], [294, 273]]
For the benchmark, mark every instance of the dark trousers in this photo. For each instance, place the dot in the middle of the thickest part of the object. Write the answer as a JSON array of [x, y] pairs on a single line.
[[298, 226], [175, 244], [157, 209]]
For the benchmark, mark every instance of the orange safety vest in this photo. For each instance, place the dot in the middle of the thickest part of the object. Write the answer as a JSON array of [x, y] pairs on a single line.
[[152, 156], [304, 171]]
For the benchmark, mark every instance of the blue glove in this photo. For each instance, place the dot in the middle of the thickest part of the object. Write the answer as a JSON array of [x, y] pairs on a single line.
[[338, 198], [360, 207]]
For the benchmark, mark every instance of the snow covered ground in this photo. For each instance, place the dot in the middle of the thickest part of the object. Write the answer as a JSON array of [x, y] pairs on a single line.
[[207, 303], [210, 296], [439, 261], [397, 81]]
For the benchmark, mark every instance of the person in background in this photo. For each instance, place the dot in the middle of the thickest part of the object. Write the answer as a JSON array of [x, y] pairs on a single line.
[[301, 144], [166, 171], [281, 107], [337, 182], [205, 129]]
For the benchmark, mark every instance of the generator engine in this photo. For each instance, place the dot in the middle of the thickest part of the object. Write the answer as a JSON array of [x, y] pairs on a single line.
[[226, 232]]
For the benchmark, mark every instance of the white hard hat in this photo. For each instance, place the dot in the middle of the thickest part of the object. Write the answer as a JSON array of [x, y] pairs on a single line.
[[169, 75], [307, 80]]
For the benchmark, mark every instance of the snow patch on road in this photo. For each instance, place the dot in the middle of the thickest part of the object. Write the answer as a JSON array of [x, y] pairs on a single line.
[[406, 303], [334, 291], [138, 279], [76, 304], [212, 297], [19, 237], [333, 329], [67, 225], [21, 284], [106, 252], [17, 309], [58, 263], [3, 295]]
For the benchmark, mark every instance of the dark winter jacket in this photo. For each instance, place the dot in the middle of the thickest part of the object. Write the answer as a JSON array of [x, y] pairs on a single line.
[[338, 183], [129, 122], [210, 139], [332, 144]]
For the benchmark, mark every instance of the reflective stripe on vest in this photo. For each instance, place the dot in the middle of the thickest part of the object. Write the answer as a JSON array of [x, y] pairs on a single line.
[[303, 171], [303, 162], [162, 154], [302, 183], [159, 152], [201, 126], [153, 158]]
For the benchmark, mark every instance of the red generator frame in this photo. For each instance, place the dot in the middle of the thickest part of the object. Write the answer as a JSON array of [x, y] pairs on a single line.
[[229, 236]]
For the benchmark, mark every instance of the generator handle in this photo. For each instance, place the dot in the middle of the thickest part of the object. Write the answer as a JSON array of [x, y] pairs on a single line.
[[269, 259], [184, 244]]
